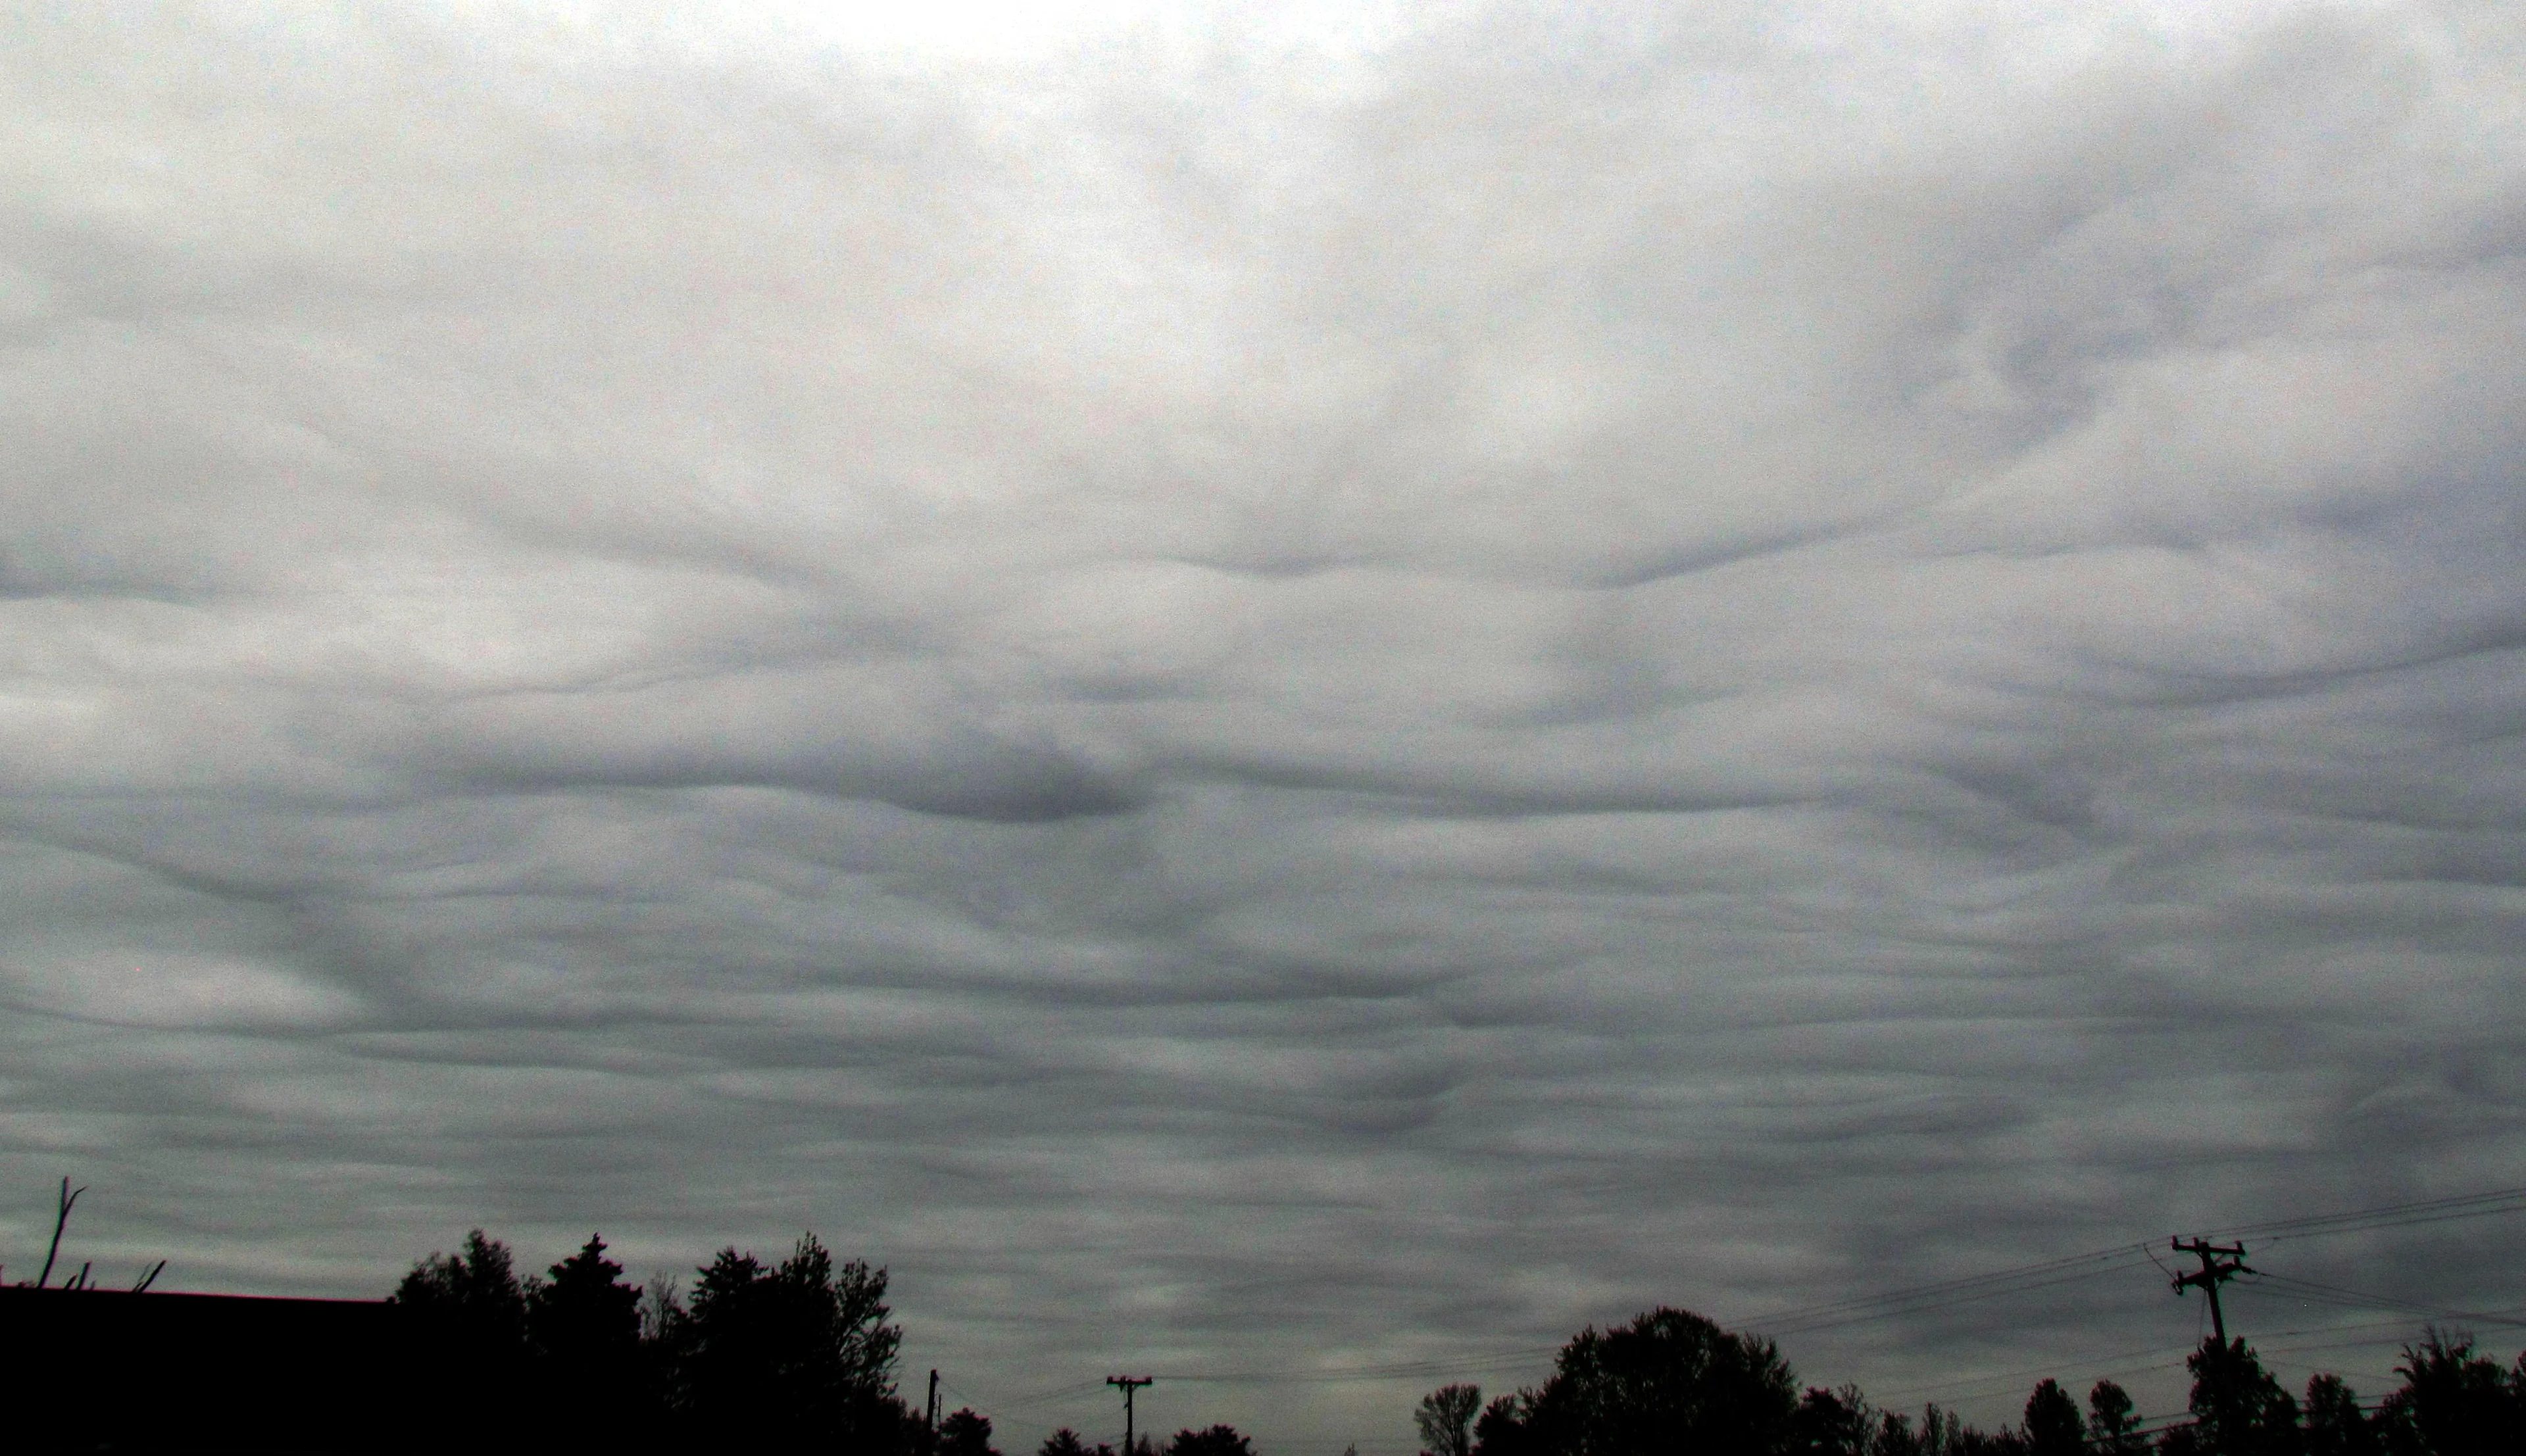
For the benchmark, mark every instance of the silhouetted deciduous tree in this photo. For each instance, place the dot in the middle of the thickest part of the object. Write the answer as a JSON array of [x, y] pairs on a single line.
[[2112, 1428], [476, 1307], [1218, 1440], [1941, 1434], [965, 1432], [2238, 1408], [2453, 1402], [1833, 1423], [476, 1287], [2336, 1425], [1501, 1430], [1670, 1381], [790, 1355], [1446, 1419], [2052, 1424]]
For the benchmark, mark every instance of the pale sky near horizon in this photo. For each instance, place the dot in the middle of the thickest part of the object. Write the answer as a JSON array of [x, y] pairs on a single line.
[[1276, 691]]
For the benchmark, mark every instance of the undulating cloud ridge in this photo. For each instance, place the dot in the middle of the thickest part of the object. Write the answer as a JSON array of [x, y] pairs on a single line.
[[1255, 696]]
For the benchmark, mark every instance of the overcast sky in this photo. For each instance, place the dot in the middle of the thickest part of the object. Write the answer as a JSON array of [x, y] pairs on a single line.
[[1275, 690]]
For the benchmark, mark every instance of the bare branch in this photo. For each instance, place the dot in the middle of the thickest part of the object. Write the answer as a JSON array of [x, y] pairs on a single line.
[[60, 1220]]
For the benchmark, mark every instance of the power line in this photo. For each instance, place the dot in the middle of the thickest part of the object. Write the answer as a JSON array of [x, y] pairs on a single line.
[[2170, 1357], [1938, 1294], [1057, 1392], [2389, 1216], [2291, 1287], [1395, 1371], [1801, 1319], [1920, 1297]]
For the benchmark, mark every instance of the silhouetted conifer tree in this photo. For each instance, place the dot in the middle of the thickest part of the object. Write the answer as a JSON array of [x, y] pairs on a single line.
[[1065, 1442], [581, 1313], [590, 1383]]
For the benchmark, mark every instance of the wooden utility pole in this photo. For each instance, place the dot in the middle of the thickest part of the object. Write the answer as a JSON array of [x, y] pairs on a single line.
[[931, 1410], [1128, 1384], [2220, 1263]]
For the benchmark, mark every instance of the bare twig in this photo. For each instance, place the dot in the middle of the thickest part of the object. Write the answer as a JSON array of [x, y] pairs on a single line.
[[150, 1278], [60, 1220]]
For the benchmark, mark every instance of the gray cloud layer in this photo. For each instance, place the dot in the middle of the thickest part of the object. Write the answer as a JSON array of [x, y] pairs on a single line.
[[1255, 703]]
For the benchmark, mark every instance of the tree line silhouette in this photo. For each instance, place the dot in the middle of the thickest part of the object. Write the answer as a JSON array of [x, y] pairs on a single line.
[[793, 1356], [800, 1355], [1672, 1382], [765, 1356]]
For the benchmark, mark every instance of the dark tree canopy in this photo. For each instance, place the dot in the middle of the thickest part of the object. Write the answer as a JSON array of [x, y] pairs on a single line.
[[2052, 1424], [780, 1353], [1670, 1381], [2238, 1408], [582, 1312], [966, 1433], [1446, 1419], [2453, 1402], [2112, 1428], [2336, 1425], [1218, 1440], [1501, 1430], [799, 1356], [1833, 1423], [477, 1287]]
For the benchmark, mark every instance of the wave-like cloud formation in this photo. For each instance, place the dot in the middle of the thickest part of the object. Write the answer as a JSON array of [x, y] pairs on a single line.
[[1252, 699]]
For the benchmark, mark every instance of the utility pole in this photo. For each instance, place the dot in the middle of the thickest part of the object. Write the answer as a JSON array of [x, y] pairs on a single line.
[[2220, 1263], [1128, 1386], [932, 1407]]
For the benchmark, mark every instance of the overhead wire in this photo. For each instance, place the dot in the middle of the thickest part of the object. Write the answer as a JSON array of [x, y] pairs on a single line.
[[1391, 1371], [2291, 1287], [1040, 1397], [2170, 1356], [1889, 1307], [1944, 1293], [1800, 1318], [2389, 1216]]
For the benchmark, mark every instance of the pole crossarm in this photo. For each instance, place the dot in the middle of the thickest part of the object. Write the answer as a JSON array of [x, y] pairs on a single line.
[[2220, 1263], [1130, 1386]]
